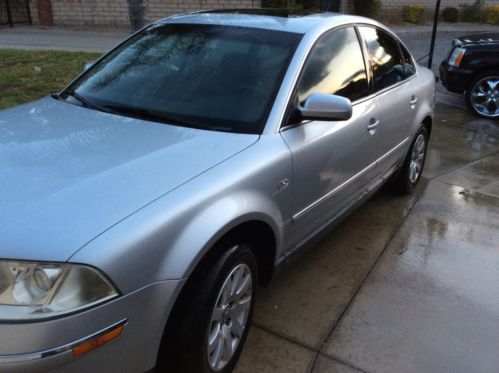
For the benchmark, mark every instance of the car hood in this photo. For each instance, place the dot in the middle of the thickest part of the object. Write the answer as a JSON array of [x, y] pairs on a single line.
[[481, 38], [68, 173]]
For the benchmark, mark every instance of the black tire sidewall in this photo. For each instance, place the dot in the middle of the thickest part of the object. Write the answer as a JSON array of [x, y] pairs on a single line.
[[407, 185], [184, 348], [242, 255]]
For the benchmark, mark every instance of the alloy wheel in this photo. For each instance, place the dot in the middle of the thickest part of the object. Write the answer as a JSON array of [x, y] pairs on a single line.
[[229, 317], [417, 159], [485, 97]]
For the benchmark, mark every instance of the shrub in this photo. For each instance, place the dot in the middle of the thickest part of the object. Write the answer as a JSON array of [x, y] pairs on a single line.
[[287, 5], [450, 15], [367, 8], [492, 15], [473, 13], [274, 3], [413, 13]]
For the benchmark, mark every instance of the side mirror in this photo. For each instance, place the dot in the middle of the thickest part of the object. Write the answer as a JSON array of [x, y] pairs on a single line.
[[320, 106]]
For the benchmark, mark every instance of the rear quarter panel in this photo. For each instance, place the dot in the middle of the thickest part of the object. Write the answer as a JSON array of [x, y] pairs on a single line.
[[424, 85]]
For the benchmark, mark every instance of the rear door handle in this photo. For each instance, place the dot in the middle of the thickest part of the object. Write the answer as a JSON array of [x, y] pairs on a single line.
[[414, 101], [373, 125]]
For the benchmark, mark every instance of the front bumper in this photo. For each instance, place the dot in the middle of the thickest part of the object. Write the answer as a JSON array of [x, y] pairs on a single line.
[[455, 79], [24, 346]]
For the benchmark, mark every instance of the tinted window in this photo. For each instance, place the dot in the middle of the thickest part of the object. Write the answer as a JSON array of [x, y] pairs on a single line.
[[206, 76], [410, 69], [335, 66], [387, 64]]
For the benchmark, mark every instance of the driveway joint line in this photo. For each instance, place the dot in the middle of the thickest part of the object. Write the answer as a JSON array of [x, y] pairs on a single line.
[[390, 239], [314, 362], [285, 337], [465, 188], [462, 166], [344, 362]]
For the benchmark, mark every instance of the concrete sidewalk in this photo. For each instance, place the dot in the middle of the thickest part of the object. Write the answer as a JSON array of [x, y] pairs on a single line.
[[55, 38], [406, 284]]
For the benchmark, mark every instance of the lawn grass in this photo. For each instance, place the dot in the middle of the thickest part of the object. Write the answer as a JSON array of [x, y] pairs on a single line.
[[28, 75]]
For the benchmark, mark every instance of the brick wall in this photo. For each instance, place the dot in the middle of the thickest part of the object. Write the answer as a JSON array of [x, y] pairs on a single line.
[[393, 9], [34, 12], [90, 13], [111, 14], [161, 8]]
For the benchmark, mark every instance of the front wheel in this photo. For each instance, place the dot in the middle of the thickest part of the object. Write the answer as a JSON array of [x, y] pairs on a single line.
[[210, 322], [482, 96], [409, 174]]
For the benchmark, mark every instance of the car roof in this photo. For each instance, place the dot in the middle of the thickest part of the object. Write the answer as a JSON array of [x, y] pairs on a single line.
[[271, 19]]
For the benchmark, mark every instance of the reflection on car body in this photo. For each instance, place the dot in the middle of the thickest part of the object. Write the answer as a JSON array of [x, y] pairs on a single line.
[[142, 205]]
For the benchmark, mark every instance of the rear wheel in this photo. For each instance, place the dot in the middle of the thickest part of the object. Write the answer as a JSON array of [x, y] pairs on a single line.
[[409, 174], [210, 322], [482, 96]]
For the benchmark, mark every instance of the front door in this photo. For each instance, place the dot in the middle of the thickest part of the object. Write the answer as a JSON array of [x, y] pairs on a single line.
[[333, 161]]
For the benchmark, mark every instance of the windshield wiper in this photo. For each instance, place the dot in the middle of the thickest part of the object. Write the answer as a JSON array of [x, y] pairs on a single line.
[[83, 100], [151, 115]]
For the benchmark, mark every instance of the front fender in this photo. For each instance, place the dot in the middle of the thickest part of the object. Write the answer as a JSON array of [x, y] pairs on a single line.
[[166, 239], [211, 224]]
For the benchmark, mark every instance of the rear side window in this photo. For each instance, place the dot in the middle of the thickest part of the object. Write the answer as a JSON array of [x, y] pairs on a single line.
[[387, 63], [410, 69], [335, 66]]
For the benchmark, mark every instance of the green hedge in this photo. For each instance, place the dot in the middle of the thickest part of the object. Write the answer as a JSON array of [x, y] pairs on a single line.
[[492, 15], [367, 8], [473, 13], [450, 15], [414, 14]]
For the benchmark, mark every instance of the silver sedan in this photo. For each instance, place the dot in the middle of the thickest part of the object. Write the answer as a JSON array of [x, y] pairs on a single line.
[[141, 206]]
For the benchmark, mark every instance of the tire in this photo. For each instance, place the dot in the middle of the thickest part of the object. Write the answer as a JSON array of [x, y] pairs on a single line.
[[410, 173], [194, 322], [480, 90]]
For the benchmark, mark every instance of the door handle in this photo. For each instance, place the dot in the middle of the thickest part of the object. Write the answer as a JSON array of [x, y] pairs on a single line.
[[414, 101], [373, 125]]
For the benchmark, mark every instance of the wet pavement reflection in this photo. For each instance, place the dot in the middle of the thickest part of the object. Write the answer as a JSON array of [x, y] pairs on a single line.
[[407, 283]]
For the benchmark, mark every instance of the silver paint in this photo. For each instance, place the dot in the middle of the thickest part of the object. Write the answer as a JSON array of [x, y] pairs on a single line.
[[144, 202]]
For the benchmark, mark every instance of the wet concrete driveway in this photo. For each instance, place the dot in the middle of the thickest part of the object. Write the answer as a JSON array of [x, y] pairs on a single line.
[[407, 283]]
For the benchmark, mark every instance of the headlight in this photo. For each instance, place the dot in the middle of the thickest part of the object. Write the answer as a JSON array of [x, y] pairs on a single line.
[[456, 56], [39, 290]]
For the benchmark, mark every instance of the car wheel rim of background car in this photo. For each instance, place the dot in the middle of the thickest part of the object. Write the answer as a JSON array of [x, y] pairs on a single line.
[[417, 159], [485, 97], [229, 317]]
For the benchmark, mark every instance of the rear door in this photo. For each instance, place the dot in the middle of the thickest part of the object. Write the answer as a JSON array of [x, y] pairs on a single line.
[[333, 161], [395, 97]]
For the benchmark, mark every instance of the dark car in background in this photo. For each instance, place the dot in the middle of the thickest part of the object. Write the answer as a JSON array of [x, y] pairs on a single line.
[[472, 67]]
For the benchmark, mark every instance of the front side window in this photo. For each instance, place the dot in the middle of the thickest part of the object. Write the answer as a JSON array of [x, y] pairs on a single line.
[[386, 61], [204, 76], [335, 66], [410, 69]]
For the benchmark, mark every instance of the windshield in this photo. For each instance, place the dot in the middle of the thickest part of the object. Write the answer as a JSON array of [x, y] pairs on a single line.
[[203, 76]]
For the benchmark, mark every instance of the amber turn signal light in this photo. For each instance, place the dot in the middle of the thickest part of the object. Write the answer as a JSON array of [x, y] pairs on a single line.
[[98, 341]]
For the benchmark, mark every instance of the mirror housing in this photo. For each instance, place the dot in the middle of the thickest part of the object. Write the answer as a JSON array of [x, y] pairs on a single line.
[[88, 65], [321, 106]]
